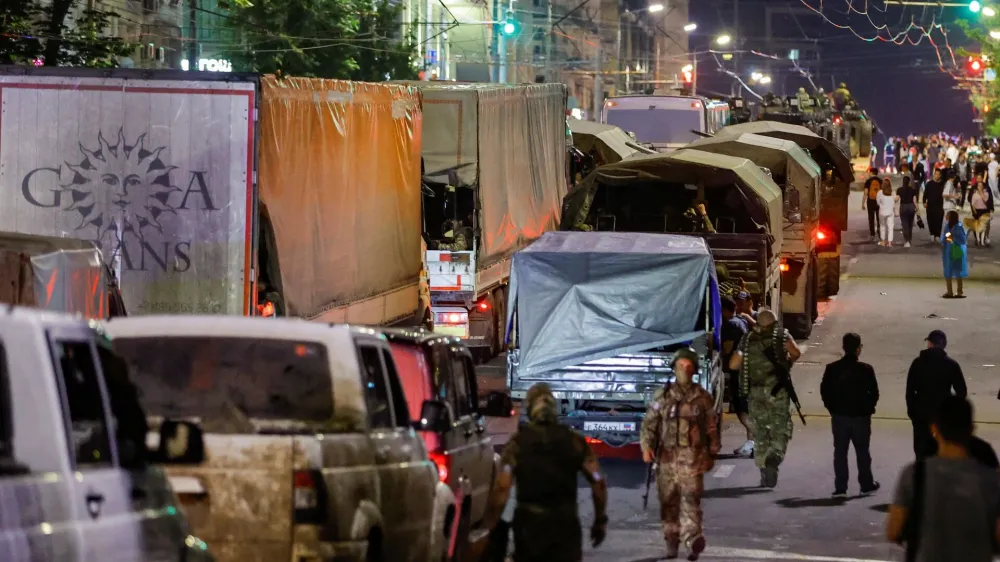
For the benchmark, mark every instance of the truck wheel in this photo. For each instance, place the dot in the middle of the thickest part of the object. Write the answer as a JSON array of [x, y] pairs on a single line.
[[799, 325], [865, 142], [829, 276]]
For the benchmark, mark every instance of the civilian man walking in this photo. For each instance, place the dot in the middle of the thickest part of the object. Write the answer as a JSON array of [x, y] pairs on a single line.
[[933, 376], [850, 393]]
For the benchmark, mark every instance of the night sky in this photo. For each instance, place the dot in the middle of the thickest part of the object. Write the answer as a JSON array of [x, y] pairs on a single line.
[[900, 86]]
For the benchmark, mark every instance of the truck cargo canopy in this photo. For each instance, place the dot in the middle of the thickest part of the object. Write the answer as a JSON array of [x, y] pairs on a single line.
[[508, 141], [800, 136], [612, 144], [782, 157], [680, 168], [340, 181], [584, 296]]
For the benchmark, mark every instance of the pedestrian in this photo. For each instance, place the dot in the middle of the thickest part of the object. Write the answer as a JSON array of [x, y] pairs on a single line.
[[680, 434], [920, 172], [744, 309], [933, 200], [764, 358], [963, 174], [906, 196], [954, 255], [850, 392], [544, 457], [733, 330], [982, 204], [946, 507], [933, 376], [889, 155], [870, 202], [886, 205], [991, 172]]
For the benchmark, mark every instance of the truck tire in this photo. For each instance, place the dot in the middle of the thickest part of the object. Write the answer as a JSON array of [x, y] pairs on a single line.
[[829, 276], [865, 141]]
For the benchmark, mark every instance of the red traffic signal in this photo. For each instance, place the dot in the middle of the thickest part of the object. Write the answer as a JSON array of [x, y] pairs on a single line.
[[976, 65]]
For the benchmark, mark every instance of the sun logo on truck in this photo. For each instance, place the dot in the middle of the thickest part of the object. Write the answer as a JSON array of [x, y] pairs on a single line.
[[119, 188]]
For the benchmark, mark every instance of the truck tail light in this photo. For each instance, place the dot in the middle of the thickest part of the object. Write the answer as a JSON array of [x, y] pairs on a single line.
[[783, 266], [446, 318], [441, 461], [821, 235], [483, 305], [308, 497]]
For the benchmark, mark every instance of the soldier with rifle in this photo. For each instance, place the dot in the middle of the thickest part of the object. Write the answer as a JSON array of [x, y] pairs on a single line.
[[679, 440], [764, 360]]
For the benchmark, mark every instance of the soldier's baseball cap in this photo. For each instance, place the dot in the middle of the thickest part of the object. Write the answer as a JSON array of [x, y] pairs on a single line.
[[937, 338], [742, 296]]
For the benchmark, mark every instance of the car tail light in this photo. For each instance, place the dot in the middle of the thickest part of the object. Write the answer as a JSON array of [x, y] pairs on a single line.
[[308, 497], [441, 461]]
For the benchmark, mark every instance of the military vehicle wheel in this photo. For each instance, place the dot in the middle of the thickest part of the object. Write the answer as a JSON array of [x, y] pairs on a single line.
[[829, 277]]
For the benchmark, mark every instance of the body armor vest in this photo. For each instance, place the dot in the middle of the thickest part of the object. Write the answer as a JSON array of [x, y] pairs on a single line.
[[756, 366]]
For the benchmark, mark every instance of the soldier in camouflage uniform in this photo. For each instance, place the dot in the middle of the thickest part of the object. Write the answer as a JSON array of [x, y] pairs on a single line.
[[457, 233], [770, 414], [680, 434], [544, 457]]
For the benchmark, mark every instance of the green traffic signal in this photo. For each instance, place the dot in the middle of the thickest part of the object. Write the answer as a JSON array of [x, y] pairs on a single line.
[[975, 6], [509, 28]]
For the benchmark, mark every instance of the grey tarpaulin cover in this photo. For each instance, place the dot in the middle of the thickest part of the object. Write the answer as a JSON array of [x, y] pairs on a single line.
[[583, 296]]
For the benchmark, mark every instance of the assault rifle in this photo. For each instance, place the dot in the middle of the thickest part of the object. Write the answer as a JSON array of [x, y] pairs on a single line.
[[651, 471], [784, 381]]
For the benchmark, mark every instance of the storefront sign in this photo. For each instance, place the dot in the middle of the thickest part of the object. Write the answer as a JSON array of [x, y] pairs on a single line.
[[210, 65]]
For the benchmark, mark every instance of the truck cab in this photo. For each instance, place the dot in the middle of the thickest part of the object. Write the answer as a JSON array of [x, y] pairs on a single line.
[[605, 351]]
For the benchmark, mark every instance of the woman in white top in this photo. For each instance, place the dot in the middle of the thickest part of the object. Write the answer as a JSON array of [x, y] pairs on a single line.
[[886, 211]]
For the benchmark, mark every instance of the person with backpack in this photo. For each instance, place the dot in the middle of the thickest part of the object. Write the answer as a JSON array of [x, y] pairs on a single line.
[[947, 507]]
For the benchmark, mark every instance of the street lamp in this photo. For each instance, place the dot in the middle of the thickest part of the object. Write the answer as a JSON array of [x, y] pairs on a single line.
[[723, 40], [765, 79], [756, 76], [995, 34], [975, 6], [690, 27], [989, 12], [653, 8]]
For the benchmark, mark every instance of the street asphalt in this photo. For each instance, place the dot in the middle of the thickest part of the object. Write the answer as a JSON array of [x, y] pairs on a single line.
[[892, 298]]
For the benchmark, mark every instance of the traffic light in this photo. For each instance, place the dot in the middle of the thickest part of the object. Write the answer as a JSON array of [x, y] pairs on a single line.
[[975, 66], [509, 26], [688, 72], [975, 6]]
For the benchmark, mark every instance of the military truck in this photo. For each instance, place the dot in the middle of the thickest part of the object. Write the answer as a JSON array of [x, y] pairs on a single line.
[[798, 176], [845, 124], [835, 189], [605, 351], [661, 193]]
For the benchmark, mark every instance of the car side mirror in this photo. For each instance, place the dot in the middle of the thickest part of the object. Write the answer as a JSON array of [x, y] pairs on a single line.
[[181, 442], [498, 405], [434, 416]]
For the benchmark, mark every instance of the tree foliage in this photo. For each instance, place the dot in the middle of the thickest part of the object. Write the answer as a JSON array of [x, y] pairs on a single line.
[[59, 33], [348, 39], [984, 95]]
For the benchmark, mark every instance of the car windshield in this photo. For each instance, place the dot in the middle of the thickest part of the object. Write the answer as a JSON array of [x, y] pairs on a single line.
[[206, 376]]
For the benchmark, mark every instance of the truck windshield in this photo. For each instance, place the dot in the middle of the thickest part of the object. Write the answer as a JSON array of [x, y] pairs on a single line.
[[205, 376], [659, 126]]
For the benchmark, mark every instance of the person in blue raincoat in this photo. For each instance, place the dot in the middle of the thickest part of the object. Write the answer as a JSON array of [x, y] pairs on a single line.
[[954, 254]]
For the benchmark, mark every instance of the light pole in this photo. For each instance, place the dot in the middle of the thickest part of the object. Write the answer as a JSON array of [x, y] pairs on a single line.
[[631, 16]]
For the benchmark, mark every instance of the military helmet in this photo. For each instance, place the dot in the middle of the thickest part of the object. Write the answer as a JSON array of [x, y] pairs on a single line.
[[541, 403], [843, 86], [685, 353]]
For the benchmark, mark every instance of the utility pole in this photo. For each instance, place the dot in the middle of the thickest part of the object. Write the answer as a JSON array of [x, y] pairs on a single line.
[[629, 58], [737, 58], [503, 58], [598, 83], [549, 77], [694, 75], [495, 44], [193, 44]]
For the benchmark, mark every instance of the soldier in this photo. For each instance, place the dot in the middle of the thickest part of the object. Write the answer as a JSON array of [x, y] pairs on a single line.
[[765, 350], [698, 217], [454, 231], [544, 457], [680, 434], [805, 102], [841, 96]]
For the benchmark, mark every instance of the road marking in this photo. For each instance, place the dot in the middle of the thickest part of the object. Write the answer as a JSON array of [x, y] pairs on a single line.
[[724, 471], [750, 554]]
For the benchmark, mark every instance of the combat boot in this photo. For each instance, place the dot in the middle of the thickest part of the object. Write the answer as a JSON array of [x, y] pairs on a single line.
[[770, 472], [695, 547], [673, 549]]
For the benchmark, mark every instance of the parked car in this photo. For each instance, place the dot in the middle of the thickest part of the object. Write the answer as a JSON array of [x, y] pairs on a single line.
[[437, 372], [76, 483], [310, 454]]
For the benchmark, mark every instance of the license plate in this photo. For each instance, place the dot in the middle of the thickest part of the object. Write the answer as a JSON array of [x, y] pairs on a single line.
[[608, 426]]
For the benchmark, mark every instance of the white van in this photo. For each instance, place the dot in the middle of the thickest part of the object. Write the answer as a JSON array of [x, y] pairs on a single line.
[[76, 479], [665, 122]]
